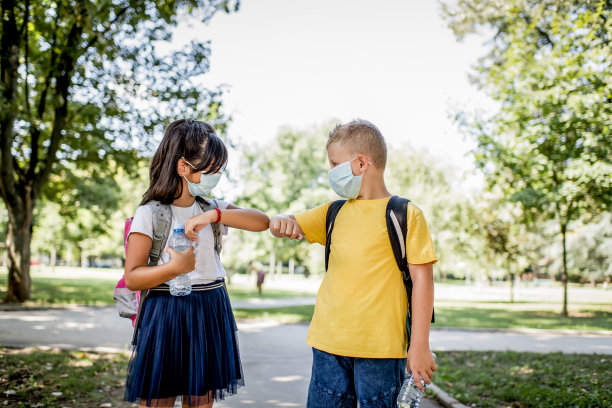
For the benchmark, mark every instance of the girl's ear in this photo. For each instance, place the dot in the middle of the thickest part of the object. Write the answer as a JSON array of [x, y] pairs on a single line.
[[182, 168]]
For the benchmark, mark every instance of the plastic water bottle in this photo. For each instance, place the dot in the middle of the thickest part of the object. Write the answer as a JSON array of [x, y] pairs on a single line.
[[181, 285], [410, 395]]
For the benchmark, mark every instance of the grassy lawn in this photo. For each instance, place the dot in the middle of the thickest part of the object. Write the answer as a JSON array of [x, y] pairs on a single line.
[[511, 379], [51, 291], [534, 315], [473, 314], [449, 313], [35, 378], [288, 314]]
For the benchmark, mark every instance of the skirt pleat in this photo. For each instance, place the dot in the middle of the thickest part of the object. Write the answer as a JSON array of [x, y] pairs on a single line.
[[186, 346]]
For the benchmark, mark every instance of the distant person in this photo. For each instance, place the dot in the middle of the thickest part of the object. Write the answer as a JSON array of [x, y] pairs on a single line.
[[260, 274], [186, 345], [358, 331]]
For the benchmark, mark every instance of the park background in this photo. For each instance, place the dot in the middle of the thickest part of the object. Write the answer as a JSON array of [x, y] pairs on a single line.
[[497, 117]]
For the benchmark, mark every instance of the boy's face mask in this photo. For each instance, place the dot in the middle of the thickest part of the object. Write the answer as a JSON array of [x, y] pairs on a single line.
[[206, 184], [342, 180]]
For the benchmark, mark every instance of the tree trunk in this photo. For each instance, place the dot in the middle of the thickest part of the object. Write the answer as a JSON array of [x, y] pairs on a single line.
[[18, 242], [564, 276], [53, 259], [511, 277]]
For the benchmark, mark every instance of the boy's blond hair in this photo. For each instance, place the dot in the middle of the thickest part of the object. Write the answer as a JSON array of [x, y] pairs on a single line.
[[361, 137]]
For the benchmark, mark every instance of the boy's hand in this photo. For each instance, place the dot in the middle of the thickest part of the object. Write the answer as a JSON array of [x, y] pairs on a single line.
[[282, 226], [199, 222], [182, 262], [421, 364]]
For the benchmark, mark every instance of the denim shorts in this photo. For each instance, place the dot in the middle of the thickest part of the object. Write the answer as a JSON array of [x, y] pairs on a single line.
[[341, 382]]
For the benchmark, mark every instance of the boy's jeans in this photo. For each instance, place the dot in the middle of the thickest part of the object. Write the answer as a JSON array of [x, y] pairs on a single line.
[[340, 382]]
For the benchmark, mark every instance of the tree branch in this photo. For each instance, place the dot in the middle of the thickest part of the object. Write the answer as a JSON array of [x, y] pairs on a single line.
[[99, 34], [64, 71], [9, 68], [543, 34], [26, 18]]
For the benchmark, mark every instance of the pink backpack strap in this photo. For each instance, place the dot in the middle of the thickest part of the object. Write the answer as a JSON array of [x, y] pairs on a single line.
[[126, 232]]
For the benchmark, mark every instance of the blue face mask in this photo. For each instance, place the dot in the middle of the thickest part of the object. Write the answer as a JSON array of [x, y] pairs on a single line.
[[342, 180], [206, 184]]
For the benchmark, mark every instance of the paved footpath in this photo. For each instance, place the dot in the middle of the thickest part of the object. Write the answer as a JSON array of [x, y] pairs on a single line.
[[276, 360]]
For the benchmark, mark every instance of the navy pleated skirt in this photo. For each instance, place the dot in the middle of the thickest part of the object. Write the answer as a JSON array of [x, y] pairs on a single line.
[[186, 346]]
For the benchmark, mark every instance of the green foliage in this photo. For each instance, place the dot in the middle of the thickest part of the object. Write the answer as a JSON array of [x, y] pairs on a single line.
[[499, 379], [84, 86], [547, 146], [549, 67], [286, 176]]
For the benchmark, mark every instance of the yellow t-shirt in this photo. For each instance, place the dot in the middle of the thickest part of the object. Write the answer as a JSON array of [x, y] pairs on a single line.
[[361, 305]]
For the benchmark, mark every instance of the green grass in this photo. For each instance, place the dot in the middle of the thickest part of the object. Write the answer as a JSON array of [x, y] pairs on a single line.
[[472, 314], [48, 291], [51, 291], [532, 315], [512, 379], [288, 314], [84, 379]]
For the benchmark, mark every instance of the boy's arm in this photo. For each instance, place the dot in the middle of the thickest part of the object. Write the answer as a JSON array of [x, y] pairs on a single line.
[[285, 226], [419, 360]]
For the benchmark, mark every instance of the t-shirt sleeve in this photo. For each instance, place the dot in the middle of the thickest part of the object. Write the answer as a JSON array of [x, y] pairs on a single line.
[[223, 206], [312, 223], [143, 221], [419, 245]]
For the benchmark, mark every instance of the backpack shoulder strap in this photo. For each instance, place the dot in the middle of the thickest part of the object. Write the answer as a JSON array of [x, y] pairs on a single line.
[[162, 220], [207, 205], [397, 228], [330, 219]]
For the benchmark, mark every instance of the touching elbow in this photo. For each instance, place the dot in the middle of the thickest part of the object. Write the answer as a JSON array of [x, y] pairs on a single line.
[[265, 222]]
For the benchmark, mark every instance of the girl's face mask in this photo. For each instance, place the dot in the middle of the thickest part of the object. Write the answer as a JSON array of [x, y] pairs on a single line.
[[206, 184], [342, 180]]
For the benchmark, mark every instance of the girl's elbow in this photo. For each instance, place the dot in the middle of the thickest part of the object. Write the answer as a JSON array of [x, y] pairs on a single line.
[[265, 223], [129, 281]]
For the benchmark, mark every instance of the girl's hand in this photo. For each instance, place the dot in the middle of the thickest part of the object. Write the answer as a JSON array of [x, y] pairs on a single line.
[[421, 364], [182, 262], [282, 226], [199, 222]]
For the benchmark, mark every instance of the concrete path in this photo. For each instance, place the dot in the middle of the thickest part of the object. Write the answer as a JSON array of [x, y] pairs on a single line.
[[276, 360], [100, 329]]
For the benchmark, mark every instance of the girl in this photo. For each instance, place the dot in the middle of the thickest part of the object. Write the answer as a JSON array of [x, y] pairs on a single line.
[[186, 345]]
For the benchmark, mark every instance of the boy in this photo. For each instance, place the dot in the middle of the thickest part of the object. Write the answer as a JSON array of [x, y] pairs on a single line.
[[358, 331]]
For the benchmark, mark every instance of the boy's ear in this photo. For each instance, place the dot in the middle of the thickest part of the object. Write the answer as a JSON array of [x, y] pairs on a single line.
[[364, 161]]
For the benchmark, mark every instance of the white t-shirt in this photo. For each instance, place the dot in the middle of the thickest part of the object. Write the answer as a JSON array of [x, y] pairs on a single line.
[[208, 266]]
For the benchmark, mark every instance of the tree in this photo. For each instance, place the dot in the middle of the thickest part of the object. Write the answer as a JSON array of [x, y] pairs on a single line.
[[71, 73], [285, 176], [549, 68]]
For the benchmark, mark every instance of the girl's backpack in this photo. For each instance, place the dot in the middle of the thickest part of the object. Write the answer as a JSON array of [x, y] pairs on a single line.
[[129, 302]]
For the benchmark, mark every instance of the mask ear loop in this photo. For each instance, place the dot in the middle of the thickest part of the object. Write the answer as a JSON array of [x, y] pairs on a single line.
[[367, 161], [191, 165]]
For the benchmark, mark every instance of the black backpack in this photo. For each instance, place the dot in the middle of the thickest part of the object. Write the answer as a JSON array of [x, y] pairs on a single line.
[[397, 228]]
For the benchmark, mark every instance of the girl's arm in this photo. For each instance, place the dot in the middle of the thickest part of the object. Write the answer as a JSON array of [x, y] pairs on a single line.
[[138, 275], [419, 360], [235, 217]]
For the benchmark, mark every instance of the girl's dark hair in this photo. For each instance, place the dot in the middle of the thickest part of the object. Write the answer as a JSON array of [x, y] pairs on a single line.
[[197, 143]]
